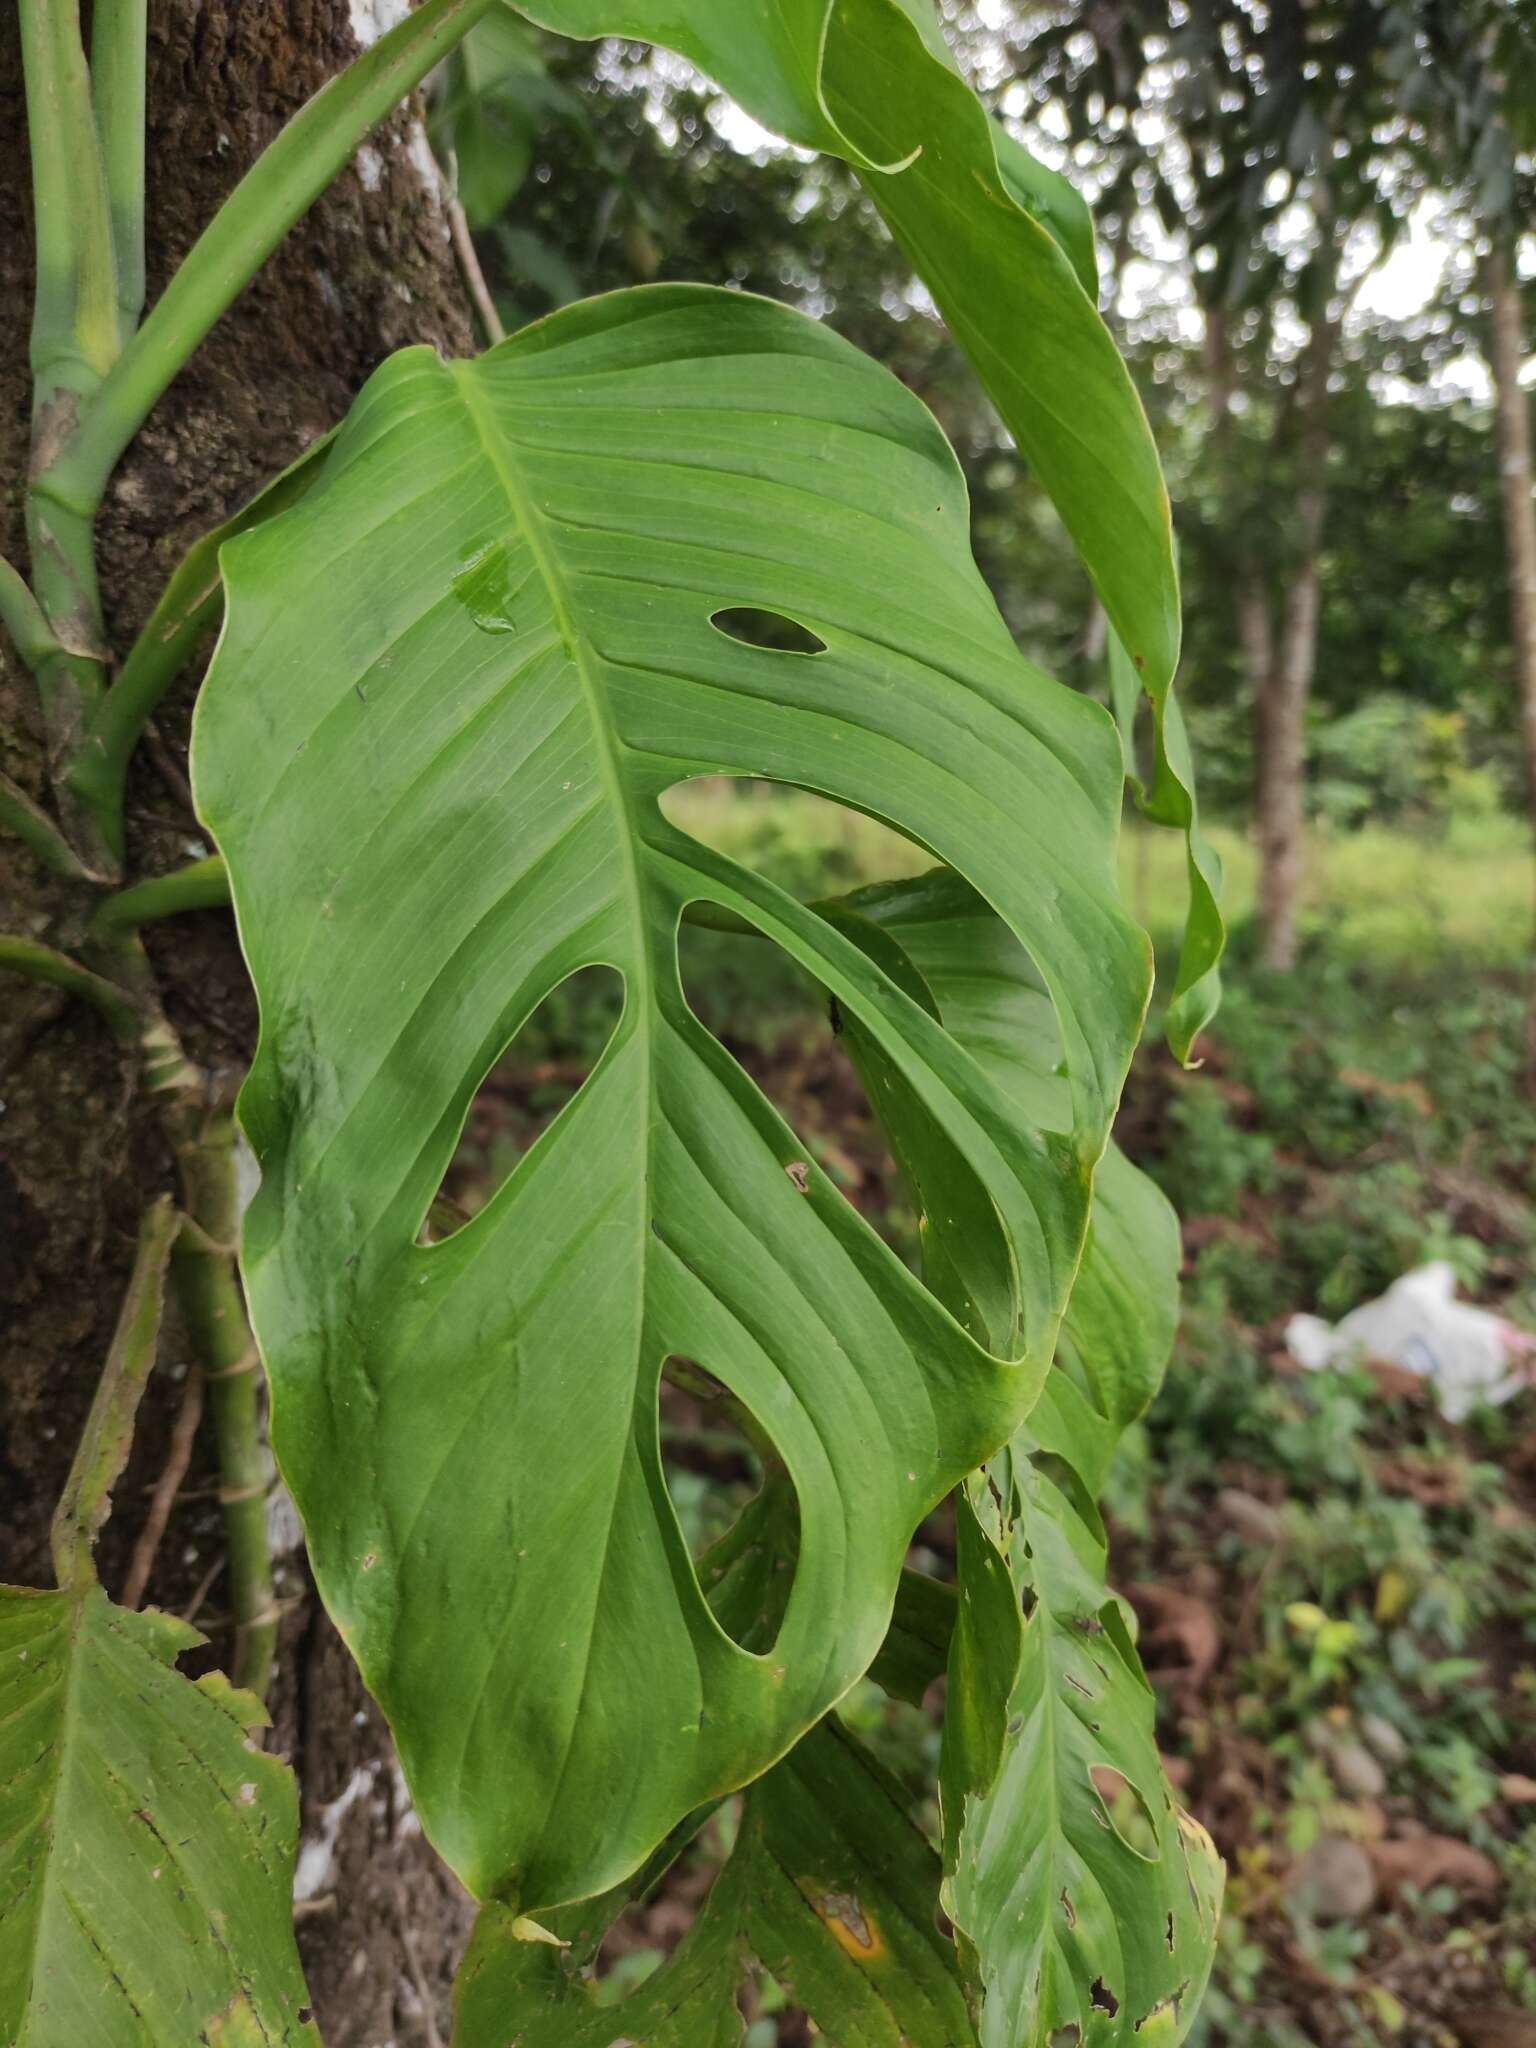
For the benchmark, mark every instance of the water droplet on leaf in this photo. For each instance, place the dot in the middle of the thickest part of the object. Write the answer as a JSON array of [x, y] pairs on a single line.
[[483, 587]]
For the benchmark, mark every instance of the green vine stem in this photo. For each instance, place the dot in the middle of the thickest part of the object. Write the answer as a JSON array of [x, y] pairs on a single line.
[[213, 1309], [187, 609], [202, 885], [34, 961], [207, 1289], [74, 345], [74, 320], [33, 826], [22, 616], [203, 1271], [279, 188], [104, 1442], [118, 35]]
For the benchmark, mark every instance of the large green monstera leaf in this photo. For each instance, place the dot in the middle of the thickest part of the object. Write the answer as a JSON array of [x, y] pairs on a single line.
[[454, 683]]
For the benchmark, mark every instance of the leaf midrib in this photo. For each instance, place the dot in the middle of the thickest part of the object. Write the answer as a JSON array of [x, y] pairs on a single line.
[[67, 1717], [502, 458]]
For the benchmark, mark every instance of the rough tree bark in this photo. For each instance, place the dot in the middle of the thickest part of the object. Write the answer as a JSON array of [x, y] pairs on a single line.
[[80, 1154], [1512, 428]]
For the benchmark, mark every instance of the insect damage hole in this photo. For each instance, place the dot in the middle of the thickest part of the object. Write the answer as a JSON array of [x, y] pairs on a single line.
[[543, 1068], [736, 1506], [1102, 1998], [754, 627]]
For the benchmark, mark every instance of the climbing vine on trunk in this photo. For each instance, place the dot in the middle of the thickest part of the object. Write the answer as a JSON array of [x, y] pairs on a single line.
[[469, 644]]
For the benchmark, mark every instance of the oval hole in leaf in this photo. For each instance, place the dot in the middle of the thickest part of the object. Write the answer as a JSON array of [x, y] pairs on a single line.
[[777, 1024], [533, 1079], [741, 1522], [772, 1017], [1128, 1812], [806, 843], [643, 1936], [754, 627], [829, 1079]]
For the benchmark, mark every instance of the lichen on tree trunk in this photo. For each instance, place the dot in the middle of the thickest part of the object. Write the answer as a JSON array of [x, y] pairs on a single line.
[[369, 270]]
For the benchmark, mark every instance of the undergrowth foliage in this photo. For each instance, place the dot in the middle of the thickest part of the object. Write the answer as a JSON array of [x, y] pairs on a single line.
[[469, 645]]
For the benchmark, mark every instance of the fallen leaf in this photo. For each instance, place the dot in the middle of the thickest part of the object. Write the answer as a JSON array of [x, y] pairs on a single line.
[[1425, 1860], [1179, 1634], [1495, 2026]]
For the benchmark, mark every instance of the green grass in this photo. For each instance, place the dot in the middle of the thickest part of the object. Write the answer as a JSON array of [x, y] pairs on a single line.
[[1393, 897]]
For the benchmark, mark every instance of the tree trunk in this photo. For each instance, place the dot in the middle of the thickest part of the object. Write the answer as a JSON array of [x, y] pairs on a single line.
[[1282, 694], [1282, 759], [1512, 428], [81, 1154]]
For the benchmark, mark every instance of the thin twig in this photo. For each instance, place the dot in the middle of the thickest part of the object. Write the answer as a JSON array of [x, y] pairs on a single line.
[[204, 885], [108, 1434], [177, 1458], [168, 769], [474, 276], [194, 1606]]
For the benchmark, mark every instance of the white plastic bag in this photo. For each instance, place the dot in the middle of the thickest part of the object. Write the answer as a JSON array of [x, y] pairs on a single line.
[[1467, 1354]]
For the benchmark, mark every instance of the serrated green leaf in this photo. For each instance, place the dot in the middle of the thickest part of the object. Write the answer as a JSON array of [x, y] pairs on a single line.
[[146, 1898], [829, 1887], [453, 685], [994, 236]]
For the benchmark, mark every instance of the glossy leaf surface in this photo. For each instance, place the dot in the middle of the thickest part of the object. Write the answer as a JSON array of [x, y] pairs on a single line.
[[454, 683], [148, 1872]]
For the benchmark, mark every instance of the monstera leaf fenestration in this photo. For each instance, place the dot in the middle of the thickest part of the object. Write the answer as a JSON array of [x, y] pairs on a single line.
[[454, 683], [1005, 245]]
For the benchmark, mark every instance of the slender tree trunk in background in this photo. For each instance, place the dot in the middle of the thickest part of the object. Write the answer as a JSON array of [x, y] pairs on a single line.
[[1282, 759], [1279, 666], [81, 1153], [1281, 705], [1512, 429]]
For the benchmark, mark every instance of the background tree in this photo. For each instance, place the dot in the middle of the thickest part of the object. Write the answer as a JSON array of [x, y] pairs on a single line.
[[1247, 137]]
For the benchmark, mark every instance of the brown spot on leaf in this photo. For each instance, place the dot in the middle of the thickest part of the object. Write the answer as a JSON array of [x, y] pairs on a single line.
[[847, 1923]]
